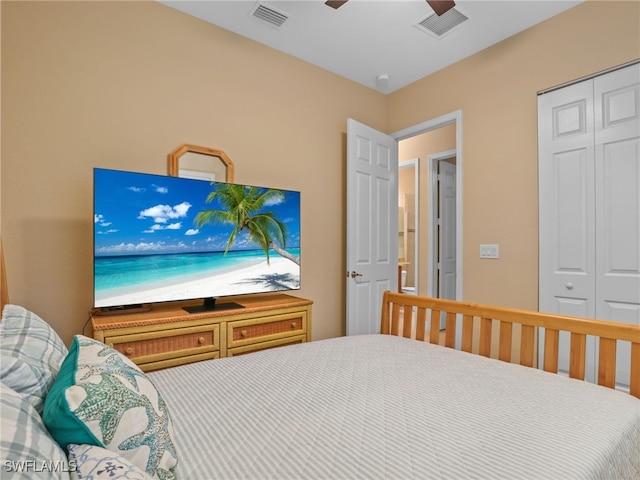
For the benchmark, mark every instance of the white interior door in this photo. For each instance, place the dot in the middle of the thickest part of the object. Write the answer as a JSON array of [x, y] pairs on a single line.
[[447, 237], [372, 224]]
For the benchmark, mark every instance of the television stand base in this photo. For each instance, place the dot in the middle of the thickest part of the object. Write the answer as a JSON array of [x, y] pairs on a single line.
[[121, 309], [210, 305]]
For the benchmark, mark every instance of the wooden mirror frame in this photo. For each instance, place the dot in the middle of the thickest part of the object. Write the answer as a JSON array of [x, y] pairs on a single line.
[[174, 159]]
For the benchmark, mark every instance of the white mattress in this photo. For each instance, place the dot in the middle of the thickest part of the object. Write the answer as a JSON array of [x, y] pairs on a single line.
[[378, 406]]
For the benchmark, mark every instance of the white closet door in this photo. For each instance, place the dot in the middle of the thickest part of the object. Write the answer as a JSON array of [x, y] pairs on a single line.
[[567, 207], [567, 201], [617, 167], [589, 187]]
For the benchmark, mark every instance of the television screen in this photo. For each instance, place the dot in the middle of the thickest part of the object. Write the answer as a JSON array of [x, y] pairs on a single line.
[[160, 238]]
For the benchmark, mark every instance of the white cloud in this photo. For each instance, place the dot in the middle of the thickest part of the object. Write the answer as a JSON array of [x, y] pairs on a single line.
[[164, 213], [136, 189], [182, 209], [157, 227], [99, 219], [192, 231], [273, 201], [161, 189], [132, 247]]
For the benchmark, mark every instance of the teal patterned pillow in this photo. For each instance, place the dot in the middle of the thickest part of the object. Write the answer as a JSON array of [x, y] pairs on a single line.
[[95, 463], [31, 353], [102, 398]]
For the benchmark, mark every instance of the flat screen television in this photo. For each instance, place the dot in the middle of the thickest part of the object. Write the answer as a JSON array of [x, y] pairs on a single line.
[[159, 238]]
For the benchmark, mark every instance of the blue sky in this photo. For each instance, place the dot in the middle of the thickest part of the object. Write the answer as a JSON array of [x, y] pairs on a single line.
[[137, 214]]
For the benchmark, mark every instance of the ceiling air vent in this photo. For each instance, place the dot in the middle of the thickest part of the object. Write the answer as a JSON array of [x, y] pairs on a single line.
[[439, 25], [269, 14]]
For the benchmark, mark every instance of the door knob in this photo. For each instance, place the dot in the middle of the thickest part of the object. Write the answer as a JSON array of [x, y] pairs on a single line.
[[569, 286], [355, 274]]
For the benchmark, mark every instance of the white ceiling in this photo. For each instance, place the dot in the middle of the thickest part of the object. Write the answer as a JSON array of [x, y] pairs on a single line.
[[364, 39]]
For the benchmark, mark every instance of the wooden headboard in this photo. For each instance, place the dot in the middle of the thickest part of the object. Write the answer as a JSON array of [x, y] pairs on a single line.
[[418, 317], [4, 290]]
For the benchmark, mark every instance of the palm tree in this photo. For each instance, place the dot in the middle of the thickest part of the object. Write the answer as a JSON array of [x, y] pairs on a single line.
[[242, 207]]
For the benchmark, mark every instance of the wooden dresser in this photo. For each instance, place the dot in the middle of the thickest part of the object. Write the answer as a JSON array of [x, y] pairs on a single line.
[[168, 335]]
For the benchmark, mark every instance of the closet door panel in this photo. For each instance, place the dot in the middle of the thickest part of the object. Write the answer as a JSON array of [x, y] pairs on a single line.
[[566, 210], [617, 164], [566, 201]]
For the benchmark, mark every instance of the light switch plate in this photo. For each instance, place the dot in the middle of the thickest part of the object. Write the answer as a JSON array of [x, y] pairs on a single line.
[[489, 251]]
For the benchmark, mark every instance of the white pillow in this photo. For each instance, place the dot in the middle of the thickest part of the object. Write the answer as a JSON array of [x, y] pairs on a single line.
[[91, 462]]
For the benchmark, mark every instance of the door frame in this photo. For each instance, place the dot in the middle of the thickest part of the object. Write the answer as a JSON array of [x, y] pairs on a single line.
[[433, 124], [415, 163], [432, 224]]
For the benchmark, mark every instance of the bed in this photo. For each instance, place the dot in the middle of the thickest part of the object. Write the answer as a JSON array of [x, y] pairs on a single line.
[[400, 404]]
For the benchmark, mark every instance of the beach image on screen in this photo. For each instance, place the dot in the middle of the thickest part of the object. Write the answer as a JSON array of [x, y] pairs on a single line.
[[159, 238]]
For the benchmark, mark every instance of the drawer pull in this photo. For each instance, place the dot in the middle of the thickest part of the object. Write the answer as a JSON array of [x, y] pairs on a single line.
[[129, 351], [200, 340], [243, 333], [294, 325]]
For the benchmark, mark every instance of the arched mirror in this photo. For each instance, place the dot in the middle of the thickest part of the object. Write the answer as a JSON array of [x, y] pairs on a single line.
[[202, 163]]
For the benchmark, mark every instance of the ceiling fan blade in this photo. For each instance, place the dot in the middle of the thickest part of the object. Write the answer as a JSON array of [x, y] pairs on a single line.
[[335, 3], [440, 6]]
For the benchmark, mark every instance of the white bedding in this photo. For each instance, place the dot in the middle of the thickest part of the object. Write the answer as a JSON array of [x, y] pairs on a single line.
[[379, 406]]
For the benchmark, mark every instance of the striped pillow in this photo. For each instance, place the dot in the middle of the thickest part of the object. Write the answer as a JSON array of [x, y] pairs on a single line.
[[27, 450], [31, 354]]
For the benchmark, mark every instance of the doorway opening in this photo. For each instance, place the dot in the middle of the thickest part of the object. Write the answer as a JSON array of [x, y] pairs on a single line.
[[408, 221], [442, 226], [438, 257]]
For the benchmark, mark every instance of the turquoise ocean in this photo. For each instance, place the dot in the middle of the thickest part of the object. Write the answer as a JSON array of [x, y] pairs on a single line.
[[120, 274]]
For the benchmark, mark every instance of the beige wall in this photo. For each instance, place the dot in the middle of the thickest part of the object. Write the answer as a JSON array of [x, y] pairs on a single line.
[[120, 85], [496, 91]]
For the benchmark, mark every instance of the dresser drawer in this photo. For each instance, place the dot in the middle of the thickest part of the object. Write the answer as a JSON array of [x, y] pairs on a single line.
[[157, 346], [273, 327], [254, 347]]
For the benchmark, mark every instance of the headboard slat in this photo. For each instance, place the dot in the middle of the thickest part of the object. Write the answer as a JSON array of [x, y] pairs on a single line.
[[578, 352], [635, 370], [527, 345], [485, 336], [467, 333], [506, 329], [607, 363], [551, 347], [434, 326], [421, 320], [4, 289]]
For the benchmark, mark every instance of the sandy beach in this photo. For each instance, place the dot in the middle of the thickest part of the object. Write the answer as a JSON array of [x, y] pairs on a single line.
[[280, 274]]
